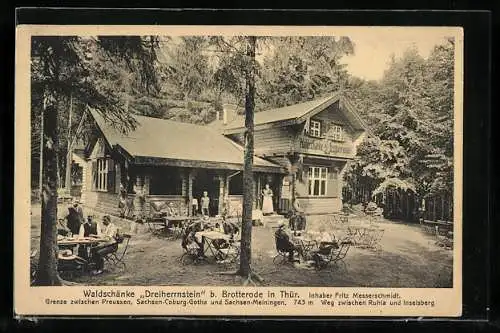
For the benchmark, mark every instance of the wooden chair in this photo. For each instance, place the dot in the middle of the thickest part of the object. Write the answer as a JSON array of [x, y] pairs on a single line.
[[371, 238], [116, 258], [335, 256], [282, 249], [443, 238], [229, 254], [191, 249], [190, 254], [156, 226]]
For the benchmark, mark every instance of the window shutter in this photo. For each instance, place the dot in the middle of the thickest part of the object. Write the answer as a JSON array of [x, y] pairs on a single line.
[[94, 175], [111, 176]]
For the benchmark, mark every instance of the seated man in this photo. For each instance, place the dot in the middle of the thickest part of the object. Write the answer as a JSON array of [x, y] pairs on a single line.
[[230, 228], [87, 229], [109, 233], [283, 242], [171, 210], [189, 239]]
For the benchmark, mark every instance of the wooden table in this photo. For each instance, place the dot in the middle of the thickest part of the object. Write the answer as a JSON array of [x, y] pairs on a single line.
[[72, 241], [207, 237], [87, 242], [175, 224], [176, 220], [307, 244]]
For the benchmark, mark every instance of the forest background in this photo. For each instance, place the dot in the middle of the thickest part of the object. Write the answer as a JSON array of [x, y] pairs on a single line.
[[409, 110]]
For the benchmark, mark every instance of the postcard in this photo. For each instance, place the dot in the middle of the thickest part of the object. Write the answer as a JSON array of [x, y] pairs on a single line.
[[238, 171]]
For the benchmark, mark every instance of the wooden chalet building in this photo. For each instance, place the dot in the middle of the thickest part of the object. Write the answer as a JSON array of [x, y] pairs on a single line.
[[163, 162], [301, 149], [313, 141]]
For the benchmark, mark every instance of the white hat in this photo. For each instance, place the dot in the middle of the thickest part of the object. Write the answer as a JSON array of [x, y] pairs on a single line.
[[281, 223], [66, 255]]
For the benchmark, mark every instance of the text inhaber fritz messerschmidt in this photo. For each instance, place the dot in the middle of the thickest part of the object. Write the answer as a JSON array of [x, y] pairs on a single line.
[[244, 297]]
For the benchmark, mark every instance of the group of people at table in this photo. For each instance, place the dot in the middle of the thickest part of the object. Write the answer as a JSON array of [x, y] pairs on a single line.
[[93, 239], [309, 245], [220, 233]]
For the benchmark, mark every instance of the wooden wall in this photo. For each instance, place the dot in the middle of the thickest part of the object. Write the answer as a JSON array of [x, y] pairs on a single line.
[[333, 115], [86, 181], [103, 202], [161, 202], [275, 139], [320, 205]]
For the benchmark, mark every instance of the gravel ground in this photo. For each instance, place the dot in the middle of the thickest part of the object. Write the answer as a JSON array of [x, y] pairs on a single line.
[[407, 258]]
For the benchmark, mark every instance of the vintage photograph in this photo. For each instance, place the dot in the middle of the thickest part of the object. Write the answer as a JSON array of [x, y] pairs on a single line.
[[230, 160]]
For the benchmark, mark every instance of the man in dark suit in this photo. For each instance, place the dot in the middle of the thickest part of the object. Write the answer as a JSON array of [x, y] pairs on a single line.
[[75, 217], [284, 243]]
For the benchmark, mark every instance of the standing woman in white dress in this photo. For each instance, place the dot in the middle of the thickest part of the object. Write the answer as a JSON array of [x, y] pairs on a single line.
[[267, 201]]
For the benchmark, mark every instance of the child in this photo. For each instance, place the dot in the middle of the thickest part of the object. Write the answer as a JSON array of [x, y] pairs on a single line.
[[194, 205], [205, 202]]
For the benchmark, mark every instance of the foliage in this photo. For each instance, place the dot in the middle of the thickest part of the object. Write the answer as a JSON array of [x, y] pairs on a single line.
[[87, 71], [302, 68], [410, 110], [412, 106]]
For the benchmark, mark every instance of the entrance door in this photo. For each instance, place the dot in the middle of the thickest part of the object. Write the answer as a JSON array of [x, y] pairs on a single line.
[[207, 180], [274, 185]]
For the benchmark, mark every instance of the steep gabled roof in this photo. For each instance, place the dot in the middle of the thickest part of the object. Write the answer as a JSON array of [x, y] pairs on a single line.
[[297, 113], [173, 141]]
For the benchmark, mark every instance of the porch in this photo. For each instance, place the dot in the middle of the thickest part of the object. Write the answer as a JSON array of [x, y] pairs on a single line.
[[154, 188]]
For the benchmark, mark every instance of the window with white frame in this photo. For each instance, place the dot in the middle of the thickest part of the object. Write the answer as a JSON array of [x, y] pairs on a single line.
[[336, 133], [315, 128], [317, 178], [102, 174]]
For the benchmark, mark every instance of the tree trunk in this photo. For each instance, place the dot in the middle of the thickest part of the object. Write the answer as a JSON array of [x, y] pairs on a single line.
[[40, 175], [47, 266], [69, 157], [246, 232]]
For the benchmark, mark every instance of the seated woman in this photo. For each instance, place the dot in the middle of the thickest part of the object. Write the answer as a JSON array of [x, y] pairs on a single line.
[[228, 228], [327, 243], [62, 228], [284, 244], [97, 253]]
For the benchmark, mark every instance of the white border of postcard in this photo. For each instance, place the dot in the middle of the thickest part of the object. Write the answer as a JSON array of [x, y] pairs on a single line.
[[438, 302]]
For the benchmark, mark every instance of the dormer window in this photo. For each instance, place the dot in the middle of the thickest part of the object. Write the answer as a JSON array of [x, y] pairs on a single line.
[[315, 128]]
